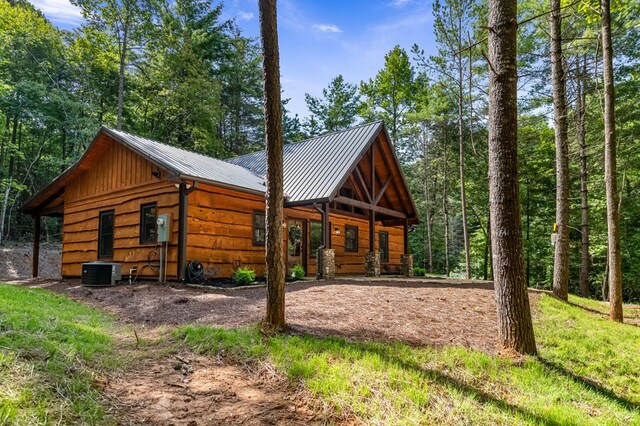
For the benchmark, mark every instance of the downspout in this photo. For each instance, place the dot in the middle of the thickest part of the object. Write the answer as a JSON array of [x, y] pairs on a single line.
[[183, 205]]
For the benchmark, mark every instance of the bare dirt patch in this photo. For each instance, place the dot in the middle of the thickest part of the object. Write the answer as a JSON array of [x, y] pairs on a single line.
[[414, 311], [15, 261], [194, 390]]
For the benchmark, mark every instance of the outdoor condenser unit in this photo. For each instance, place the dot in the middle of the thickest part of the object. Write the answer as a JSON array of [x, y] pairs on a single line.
[[101, 274]]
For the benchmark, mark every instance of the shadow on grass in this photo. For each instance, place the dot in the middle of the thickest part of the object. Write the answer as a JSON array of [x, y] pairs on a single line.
[[447, 381], [588, 383], [603, 315]]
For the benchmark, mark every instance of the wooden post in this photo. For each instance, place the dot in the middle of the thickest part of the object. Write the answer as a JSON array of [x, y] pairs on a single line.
[[36, 246], [326, 232], [182, 232], [372, 217]]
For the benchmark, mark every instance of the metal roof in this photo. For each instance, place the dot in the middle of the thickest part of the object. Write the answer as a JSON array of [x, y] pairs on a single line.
[[314, 168], [187, 164]]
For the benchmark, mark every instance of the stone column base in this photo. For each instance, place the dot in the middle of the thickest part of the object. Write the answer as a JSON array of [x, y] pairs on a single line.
[[326, 264], [407, 265], [372, 264]]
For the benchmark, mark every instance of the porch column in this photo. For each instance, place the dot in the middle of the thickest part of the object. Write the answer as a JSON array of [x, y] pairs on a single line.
[[326, 232], [36, 246], [326, 260]]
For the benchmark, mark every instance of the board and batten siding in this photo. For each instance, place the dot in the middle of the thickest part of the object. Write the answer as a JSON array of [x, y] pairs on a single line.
[[121, 180]]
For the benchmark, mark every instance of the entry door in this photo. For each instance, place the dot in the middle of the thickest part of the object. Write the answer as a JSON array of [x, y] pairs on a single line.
[[297, 243]]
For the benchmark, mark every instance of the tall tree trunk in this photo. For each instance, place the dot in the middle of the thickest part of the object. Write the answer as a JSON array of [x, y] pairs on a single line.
[[445, 208], [123, 54], [561, 258], [610, 173], [463, 193], [585, 258], [515, 328], [527, 215], [275, 193], [427, 198]]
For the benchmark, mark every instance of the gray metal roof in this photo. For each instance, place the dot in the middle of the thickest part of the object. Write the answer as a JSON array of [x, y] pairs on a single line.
[[189, 164], [314, 168]]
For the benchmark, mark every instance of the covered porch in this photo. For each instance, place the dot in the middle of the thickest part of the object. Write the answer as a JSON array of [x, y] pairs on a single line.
[[373, 190]]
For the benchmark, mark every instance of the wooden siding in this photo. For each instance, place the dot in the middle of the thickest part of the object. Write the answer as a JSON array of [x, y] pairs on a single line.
[[120, 180], [220, 230]]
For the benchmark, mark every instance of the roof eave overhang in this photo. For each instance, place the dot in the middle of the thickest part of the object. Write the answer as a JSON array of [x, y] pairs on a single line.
[[219, 184]]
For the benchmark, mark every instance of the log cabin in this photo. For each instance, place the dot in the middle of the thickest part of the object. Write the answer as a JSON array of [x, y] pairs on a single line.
[[344, 192]]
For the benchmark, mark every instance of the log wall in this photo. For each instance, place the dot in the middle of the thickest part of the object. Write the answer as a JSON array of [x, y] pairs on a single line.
[[220, 234]]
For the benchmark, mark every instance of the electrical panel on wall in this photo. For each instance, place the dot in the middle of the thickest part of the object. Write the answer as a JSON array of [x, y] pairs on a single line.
[[163, 223]]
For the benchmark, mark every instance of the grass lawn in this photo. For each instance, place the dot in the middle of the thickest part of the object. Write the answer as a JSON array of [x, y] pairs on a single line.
[[587, 372], [52, 351]]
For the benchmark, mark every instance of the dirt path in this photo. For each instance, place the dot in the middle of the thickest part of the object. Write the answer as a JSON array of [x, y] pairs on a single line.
[[194, 390]]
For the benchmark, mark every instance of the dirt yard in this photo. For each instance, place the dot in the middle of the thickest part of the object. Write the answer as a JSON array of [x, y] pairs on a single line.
[[417, 311]]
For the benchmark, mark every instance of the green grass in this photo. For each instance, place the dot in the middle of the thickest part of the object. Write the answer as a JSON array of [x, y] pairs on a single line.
[[631, 312], [50, 350], [587, 373]]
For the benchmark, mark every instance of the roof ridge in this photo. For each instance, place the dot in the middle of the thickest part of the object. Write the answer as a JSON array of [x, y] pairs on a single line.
[[310, 139]]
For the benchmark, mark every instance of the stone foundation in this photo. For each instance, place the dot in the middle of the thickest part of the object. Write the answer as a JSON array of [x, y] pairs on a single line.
[[407, 265], [326, 258], [372, 264]]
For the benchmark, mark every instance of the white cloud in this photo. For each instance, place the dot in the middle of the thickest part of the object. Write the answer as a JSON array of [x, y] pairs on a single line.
[[399, 3], [60, 11], [327, 28], [245, 16]]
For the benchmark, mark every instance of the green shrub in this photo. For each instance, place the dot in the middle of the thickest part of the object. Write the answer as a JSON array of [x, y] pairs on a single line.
[[297, 272], [419, 272], [244, 276]]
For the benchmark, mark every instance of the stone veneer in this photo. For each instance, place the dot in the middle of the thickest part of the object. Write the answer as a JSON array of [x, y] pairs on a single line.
[[326, 258], [407, 265], [372, 264]]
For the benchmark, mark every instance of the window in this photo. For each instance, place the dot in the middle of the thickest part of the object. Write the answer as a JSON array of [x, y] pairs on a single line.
[[350, 238], [148, 223], [258, 229], [105, 234], [383, 241], [315, 236]]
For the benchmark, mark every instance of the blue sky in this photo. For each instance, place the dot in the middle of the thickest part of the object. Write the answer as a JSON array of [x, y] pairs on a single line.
[[318, 39]]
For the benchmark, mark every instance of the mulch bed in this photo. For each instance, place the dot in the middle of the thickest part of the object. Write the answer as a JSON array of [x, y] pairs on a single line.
[[415, 311]]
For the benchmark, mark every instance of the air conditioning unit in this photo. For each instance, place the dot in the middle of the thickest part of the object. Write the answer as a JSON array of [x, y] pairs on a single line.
[[101, 274]]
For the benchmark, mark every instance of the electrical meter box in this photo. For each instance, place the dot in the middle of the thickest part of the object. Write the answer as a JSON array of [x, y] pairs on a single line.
[[163, 223]]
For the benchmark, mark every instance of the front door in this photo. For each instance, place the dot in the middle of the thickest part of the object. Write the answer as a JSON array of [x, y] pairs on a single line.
[[297, 243]]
